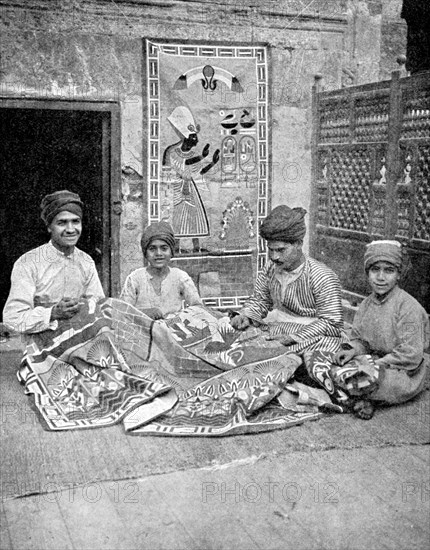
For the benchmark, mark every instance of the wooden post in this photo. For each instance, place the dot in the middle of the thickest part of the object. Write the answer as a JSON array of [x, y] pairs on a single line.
[[393, 161], [313, 214], [115, 199]]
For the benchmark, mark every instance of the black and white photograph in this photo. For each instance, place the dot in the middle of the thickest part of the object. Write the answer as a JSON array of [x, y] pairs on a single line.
[[215, 274]]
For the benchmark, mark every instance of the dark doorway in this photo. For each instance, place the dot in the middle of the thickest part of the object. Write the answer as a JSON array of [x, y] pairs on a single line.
[[44, 150]]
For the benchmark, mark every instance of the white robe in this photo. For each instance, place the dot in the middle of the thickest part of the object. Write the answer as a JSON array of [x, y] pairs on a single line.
[[41, 278]]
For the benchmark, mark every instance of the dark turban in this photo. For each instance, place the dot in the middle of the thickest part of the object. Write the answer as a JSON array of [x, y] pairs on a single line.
[[284, 224], [383, 251], [60, 201], [158, 230]]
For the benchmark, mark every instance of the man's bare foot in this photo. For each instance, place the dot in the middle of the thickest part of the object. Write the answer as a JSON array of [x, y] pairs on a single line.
[[363, 409]]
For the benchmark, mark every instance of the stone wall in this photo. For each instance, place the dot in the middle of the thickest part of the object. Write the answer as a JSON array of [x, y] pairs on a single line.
[[87, 49], [220, 277], [393, 38]]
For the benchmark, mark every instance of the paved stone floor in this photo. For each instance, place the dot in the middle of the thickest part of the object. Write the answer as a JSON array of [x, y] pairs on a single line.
[[372, 498]]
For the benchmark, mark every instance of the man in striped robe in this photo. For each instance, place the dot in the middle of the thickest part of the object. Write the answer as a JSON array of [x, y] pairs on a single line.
[[296, 299]]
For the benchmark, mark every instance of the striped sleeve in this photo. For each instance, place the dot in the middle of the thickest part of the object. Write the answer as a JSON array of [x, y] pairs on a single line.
[[260, 303], [326, 290]]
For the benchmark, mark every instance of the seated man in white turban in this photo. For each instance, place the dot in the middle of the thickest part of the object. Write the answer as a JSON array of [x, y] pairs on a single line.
[[48, 282]]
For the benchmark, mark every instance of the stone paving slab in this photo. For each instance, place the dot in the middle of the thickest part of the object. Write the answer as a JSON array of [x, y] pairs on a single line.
[[354, 499]]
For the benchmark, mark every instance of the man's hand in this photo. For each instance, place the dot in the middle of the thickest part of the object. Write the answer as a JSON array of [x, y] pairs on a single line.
[[344, 355], [66, 308], [285, 339], [154, 312], [240, 322]]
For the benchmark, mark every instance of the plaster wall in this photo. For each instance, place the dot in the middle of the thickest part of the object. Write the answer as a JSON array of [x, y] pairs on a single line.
[[90, 50]]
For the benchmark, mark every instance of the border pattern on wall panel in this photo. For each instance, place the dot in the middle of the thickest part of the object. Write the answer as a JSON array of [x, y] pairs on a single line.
[[207, 154]]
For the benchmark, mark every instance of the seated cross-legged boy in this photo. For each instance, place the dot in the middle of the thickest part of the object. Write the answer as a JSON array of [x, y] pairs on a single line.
[[391, 326], [158, 290]]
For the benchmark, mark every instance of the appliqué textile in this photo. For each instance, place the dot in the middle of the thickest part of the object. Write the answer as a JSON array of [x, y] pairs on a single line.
[[358, 377], [112, 363]]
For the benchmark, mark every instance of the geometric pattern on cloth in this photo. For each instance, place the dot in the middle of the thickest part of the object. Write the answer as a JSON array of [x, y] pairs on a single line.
[[271, 417], [193, 374], [202, 334], [358, 377], [237, 401], [73, 409], [78, 373]]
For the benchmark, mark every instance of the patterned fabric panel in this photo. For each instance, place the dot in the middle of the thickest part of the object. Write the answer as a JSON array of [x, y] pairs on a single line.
[[115, 364]]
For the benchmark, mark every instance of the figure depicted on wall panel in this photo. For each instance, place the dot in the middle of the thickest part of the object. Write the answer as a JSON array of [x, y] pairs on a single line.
[[189, 217]]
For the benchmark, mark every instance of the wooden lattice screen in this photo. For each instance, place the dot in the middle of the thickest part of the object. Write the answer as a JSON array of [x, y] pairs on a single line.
[[371, 155]]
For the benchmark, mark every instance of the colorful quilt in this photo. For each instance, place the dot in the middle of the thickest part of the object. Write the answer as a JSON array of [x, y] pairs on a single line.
[[190, 375]]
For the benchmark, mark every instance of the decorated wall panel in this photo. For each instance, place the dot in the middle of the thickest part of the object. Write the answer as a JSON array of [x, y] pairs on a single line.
[[208, 153]]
